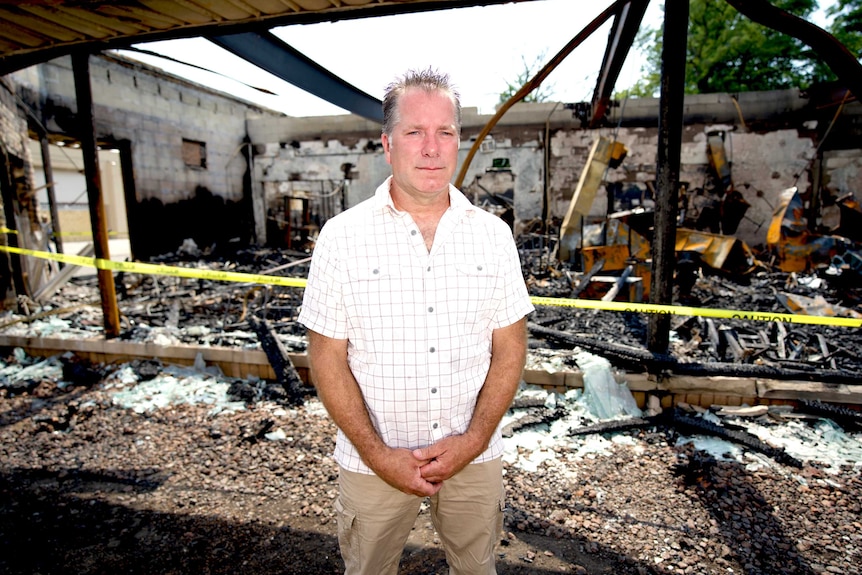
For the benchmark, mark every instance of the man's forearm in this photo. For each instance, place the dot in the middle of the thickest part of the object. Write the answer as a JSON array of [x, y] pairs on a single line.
[[340, 394], [508, 355], [342, 397]]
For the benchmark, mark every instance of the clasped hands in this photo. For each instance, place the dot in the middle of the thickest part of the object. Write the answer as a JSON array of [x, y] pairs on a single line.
[[422, 471]]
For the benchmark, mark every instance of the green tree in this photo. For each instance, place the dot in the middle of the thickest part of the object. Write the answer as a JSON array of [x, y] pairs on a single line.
[[727, 52], [648, 42], [541, 94], [846, 26]]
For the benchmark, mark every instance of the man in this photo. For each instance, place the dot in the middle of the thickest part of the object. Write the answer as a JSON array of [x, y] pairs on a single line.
[[416, 314]]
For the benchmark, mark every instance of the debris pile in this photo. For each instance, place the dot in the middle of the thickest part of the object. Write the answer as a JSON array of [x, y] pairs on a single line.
[[168, 310], [159, 469], [797, 348]]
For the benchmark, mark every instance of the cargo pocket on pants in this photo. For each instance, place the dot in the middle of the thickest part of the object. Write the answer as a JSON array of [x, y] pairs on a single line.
[[501, 511], [348, 541]]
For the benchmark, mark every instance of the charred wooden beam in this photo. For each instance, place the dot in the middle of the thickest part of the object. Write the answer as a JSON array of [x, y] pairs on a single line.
[[732, 340], [618, 285], [541, 416], [781, 339], [98, 218], [629, 357], [678, 421], [824, 349], [587, 278], [616, 425], [687, 424], [712, 332], [848, 419], [671, 105], [285, 371]]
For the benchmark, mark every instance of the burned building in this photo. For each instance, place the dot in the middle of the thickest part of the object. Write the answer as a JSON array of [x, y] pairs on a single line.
[[182, 147], [217, 170], [767, 175], [115, 459], [529, 166]]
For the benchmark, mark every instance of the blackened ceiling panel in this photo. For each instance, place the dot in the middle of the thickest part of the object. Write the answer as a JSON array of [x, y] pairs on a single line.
[[266, 51], [33, 31]]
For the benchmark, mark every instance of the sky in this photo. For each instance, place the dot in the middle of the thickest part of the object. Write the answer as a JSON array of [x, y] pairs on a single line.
[[483, 49]]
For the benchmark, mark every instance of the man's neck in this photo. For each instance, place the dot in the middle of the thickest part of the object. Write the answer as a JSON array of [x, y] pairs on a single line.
[[431, 209]]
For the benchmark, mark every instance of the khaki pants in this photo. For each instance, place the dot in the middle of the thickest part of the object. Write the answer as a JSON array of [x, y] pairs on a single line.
[[375, 519]]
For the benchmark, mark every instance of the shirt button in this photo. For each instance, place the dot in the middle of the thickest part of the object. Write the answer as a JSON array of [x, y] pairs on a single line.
[[375, 271], [433, 390], [479, 268], [412, 232], [431, 308], [432, 350], [436, 425], [429, 269]]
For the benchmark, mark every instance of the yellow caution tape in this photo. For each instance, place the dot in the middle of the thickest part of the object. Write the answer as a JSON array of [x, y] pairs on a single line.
[[85, 235], [698, 311], [214, 275], [159, 269]]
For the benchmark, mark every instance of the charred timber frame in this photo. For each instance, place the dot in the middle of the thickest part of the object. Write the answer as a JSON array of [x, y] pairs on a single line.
[[705, 389]]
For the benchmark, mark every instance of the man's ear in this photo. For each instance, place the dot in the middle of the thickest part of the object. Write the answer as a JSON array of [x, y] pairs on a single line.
[[387, 146]]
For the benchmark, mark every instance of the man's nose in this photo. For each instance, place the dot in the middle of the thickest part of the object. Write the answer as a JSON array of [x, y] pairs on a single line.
[[430, 146]]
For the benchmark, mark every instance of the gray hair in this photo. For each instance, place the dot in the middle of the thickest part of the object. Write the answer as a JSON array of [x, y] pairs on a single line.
[[429, 80]]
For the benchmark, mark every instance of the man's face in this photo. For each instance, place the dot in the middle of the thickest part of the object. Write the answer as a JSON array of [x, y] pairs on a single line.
[[423, 146]]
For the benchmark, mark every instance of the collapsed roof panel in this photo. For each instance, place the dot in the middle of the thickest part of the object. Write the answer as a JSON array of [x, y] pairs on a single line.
[[34, 31]]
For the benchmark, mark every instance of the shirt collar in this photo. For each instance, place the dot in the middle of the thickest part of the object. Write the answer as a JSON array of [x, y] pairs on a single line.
[[458, 202]]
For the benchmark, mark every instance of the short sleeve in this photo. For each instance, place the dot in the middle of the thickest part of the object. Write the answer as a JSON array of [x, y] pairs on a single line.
[[513, 295], [323, 303]]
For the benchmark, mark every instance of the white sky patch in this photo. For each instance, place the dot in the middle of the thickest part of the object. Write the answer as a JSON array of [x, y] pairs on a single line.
[[483, 49]]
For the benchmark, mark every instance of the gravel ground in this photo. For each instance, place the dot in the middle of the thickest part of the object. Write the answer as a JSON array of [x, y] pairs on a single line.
[[90, 486]]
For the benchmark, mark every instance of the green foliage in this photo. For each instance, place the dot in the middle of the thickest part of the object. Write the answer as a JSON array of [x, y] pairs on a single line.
[[846, 26], [727, 52], [541, 94], [648, 42]]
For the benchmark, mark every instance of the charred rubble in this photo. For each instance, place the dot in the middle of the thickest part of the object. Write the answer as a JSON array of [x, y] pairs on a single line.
[[194, 311], [703, 345], [591, 508]]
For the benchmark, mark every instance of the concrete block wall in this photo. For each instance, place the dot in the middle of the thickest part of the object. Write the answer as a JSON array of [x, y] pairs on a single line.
[[13, 126], [18, 168], [300, 168], [526, 161], [764, 161], [156, 112], [763, 165], [313, 168], [845, 169]]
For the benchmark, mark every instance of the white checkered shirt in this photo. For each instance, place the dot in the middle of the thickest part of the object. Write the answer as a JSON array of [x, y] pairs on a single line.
[[418, 324]]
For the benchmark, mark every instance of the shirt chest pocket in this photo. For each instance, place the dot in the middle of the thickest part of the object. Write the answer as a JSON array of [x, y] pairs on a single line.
[[472, 268], [374, 291], [382, 304], [368, 284], [475, 281]]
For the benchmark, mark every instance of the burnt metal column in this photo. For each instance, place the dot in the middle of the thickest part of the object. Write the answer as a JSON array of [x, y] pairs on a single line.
[[671, 103], [48, 170], [98, 221]]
